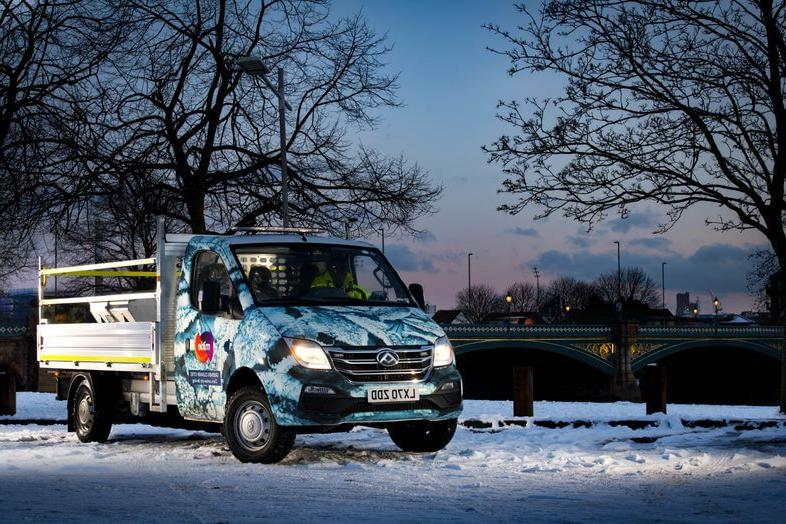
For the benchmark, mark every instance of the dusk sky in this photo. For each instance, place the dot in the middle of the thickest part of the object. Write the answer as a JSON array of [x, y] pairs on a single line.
[[450, 84]]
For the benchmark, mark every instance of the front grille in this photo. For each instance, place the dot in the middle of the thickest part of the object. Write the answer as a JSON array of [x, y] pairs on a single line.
[[359, 364]]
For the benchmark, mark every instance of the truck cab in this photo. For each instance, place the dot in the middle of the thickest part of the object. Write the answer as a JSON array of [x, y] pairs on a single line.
[[273, 335]]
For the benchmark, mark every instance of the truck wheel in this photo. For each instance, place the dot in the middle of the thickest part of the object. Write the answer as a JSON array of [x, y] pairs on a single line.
[[90, 423], [422, 436], [251, 430]]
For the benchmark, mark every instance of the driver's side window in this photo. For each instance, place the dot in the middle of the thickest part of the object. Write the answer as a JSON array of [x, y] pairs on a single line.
[[212, 291]]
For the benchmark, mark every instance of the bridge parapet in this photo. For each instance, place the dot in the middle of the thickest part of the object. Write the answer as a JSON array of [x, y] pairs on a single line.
[[537, 331], [711, 331]]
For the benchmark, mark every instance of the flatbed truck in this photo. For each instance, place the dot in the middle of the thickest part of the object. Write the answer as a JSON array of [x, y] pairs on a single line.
[[261, 334]]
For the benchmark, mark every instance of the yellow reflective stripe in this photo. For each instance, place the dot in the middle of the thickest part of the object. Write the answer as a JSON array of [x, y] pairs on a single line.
[[107, 273], [96, 358]]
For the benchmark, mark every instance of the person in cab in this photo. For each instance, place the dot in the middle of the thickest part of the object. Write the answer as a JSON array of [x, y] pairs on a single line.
[[337, 275], [261, 280]]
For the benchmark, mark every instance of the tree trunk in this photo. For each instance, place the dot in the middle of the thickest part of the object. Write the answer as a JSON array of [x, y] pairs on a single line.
[[195, 204], [776, 290]]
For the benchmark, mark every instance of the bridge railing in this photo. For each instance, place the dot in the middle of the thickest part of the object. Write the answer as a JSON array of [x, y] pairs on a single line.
[[604, 331], [504, 330], [711, 331]]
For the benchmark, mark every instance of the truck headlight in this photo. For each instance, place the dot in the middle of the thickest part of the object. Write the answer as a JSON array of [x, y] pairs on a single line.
[[308, 353], [443, 352]]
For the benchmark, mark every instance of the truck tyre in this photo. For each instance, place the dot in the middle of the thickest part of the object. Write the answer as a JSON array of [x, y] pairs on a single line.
[[422, 436], [91, 423], [251, 430]]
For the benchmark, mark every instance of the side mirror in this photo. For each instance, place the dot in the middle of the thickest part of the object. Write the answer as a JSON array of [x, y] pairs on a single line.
[[210, 297], [416, 290]]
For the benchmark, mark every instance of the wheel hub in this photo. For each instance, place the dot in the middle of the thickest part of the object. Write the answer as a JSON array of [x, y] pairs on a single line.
[[253, 425], [85, 411]]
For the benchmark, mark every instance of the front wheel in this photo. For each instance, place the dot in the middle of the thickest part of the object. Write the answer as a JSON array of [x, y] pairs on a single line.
[[251, 430], [422, 436]]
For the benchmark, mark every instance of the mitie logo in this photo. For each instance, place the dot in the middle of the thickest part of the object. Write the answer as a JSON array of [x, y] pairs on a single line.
[[203, 346]]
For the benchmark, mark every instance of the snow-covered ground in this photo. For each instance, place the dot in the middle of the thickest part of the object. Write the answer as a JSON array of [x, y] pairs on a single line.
[[513, 474]]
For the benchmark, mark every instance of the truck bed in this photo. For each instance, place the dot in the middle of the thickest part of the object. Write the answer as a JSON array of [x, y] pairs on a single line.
[[123, 346]]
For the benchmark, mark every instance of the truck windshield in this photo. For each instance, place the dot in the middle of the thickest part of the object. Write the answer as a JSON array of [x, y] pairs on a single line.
[[320, 274]]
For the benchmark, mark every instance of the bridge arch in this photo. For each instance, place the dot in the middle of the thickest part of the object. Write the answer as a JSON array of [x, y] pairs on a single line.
[[717, 371], [671, 348], [560, 372], [585, 357]]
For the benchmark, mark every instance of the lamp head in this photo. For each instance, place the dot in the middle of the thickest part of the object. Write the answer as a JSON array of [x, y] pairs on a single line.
[[252, 65]]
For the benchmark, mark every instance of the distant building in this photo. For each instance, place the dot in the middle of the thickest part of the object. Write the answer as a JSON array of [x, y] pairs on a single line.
[[683, 305], [450, 316], [519, 318], [736, 320], [757, 317], [16, 305]]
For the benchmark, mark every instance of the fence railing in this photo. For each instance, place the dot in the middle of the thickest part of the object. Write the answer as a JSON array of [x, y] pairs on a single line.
[[604, 331]]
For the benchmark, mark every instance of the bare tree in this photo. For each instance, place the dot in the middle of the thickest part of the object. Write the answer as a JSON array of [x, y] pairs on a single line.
[[632, 284], [175, 110], [48, 48], [766, 283], [523, 295], [568, 292], [671, 101], [478, 301], [117, 227]]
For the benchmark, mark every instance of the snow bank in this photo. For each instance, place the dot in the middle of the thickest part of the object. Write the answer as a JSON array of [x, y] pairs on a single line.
[[44, 406], [492, 410], [600, 473]]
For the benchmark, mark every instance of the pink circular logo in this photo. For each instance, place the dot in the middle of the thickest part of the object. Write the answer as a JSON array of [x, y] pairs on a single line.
[[203, 346]]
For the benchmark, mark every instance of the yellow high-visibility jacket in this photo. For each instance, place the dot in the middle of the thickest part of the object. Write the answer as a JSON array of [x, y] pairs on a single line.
[[353, 290]]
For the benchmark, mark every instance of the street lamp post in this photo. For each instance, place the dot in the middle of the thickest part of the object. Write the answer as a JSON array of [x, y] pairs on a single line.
[[509, 301], [619, 278], [663, 284], [716, 306], [469, 280], [347, 224], [254, 66], [537, 288]]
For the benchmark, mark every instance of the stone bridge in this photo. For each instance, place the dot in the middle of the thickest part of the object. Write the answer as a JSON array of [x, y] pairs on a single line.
[[621, 350]]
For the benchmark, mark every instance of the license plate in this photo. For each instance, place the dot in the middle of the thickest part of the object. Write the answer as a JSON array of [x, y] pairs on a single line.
[[393, 394]]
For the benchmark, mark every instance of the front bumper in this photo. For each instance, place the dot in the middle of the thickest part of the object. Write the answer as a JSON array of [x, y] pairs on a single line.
[[349, 405]]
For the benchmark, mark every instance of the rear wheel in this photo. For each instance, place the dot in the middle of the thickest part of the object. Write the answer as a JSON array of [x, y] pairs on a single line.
[[251, 430], [91, 423], [422, 436]]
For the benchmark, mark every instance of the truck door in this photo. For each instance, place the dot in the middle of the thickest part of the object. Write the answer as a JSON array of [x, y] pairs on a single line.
[[206, 329]]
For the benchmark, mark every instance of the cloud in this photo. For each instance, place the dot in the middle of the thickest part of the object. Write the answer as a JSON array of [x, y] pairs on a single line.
[[644, 220], [404, 259], [524, 232], [653, 242], [578, 241], [448, 256], [721, 268], [425, 237]]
